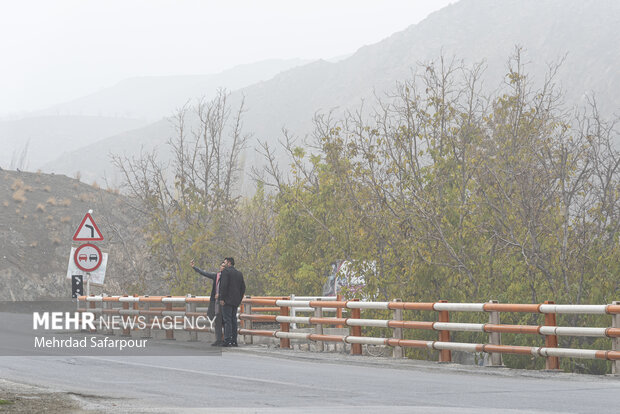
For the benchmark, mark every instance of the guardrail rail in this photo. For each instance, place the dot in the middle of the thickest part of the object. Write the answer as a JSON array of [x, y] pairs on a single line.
[[285, 312]]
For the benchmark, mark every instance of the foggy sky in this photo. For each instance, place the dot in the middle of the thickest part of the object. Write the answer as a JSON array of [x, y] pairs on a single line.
[[56, 50]]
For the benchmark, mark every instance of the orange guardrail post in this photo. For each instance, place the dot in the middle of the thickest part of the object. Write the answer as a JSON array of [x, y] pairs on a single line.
[[339, 310], [356, 349], [169, 332], [551, 341], [445, 355], [284, 327], [615, 342]]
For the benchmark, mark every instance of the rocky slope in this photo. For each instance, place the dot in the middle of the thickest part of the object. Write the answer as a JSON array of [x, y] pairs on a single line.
[[39, 214]]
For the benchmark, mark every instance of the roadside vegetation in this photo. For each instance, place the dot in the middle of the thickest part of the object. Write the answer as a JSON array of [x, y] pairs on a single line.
[[455, 194]]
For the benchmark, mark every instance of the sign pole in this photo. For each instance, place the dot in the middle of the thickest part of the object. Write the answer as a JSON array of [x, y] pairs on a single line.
[[88, 284]]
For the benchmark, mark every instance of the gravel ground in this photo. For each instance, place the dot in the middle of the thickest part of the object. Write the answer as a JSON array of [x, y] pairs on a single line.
[[22, 398]]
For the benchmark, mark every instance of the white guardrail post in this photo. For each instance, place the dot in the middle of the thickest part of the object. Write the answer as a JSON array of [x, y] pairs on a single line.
[[92, 306], [397, 333], [293, 313], [247, 309], [125, 329], [146, 333], [615, 342], [191, 307], [107, 317], [495, 338], [168, 308]]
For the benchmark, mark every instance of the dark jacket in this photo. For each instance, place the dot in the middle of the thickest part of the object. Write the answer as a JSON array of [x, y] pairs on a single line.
[[232, 286], [212, 276]]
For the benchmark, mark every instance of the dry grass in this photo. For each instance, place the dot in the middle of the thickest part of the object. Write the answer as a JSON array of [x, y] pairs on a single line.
[[47, 188], [94, 184], [115, 191], [34, 244], [50, 218], [41, 207], [28, 188], [51, 201], [17, 184], [19, 196], [85, 197], [65, 203], [65, 219], [56, 241], [5, 204]]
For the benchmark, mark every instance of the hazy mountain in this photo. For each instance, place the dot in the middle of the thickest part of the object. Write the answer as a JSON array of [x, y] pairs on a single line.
[[42, 138], [153, 97], [586, 32], [69, 127]]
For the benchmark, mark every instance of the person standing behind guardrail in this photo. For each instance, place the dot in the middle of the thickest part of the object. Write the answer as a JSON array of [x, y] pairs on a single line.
[[232, 289], [214, 310]]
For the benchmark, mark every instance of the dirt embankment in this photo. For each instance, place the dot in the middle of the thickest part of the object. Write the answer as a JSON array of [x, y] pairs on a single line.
[[39, 214]]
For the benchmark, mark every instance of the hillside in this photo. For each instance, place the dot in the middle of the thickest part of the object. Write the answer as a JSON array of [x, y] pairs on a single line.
[[473, 30], [38, 216]]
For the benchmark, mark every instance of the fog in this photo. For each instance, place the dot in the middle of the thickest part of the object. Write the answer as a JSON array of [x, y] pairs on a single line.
[[54, 51]]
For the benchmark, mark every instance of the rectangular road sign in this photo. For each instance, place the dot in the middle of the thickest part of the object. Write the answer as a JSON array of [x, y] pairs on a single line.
[[77, 286]]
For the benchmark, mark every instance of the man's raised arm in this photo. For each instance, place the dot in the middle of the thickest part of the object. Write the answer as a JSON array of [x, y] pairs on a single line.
[[210, 275]]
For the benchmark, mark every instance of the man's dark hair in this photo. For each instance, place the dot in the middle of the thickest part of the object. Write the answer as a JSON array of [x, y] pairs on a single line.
[[230, 260]]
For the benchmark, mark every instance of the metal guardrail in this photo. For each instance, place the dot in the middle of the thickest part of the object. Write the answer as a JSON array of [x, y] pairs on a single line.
[[257, 309]]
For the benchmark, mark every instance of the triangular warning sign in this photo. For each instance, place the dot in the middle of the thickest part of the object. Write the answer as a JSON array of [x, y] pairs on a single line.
[[87, 230]]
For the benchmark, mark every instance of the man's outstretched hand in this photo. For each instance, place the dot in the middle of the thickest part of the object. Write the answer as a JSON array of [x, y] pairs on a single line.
[[191, 263]]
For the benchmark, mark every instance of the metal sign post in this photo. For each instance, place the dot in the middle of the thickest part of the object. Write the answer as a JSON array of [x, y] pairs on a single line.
[[88, 284]]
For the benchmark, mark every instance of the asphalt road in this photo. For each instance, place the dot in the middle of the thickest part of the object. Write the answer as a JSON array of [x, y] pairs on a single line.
[[252, 379]]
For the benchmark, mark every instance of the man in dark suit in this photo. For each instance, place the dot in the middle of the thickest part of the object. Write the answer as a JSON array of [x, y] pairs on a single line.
[[215, 310], [232, 289]]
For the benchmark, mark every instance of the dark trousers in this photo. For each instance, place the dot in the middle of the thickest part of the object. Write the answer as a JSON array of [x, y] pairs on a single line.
[[218, 327], [229, 313]]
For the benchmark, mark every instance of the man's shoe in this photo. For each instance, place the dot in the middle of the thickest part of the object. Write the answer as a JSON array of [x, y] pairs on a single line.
[[217, 343], [226, 345], [234, 344]]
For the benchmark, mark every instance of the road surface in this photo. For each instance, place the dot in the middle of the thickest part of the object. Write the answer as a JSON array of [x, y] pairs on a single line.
[[255, 379]]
